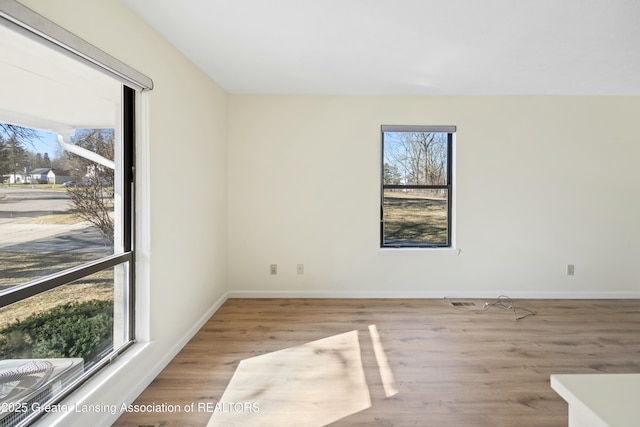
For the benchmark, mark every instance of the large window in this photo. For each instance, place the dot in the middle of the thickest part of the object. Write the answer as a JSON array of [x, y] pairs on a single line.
[[417, 185], [66, 215]]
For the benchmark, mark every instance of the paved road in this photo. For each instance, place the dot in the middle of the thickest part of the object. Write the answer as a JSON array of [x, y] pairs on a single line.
[[18, 234], [19, 204]]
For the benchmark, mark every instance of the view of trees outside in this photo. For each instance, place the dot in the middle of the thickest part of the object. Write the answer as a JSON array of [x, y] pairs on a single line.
[[92, 197], [415, 158], [415, 216], [90, 186], [66, 222], [47, 226], [14, 141]]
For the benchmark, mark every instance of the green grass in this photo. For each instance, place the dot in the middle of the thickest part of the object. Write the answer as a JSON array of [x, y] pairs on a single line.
[[414, 219]]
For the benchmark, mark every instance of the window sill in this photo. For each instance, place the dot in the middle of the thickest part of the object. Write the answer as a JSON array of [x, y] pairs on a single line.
[[419, 251]]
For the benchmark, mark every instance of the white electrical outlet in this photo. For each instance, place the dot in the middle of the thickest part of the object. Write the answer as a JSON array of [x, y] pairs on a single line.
[[571, 269], [273, 269], [300, 269]]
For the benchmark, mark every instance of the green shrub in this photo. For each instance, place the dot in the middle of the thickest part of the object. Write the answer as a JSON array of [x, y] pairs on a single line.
[[70, 330]]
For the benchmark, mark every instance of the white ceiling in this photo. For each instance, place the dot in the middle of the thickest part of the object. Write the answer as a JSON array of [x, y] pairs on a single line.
[[439, 47]]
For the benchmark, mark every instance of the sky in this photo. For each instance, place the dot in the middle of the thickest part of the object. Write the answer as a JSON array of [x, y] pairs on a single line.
[[48, 143]]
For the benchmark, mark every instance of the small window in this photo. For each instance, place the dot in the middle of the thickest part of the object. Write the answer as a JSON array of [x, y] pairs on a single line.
[[417, 186]]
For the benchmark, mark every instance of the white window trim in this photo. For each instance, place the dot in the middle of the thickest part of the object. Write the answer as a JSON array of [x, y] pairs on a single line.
[[418, 251]]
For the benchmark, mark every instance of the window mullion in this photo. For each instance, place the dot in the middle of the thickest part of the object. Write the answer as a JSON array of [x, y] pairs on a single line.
[[21, 292]]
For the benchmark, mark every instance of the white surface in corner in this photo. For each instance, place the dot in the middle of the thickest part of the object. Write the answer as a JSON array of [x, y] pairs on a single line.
[[600, 400]]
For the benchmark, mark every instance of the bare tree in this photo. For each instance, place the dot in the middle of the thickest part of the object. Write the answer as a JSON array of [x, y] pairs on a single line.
[[93, 202], [428, 153], [420, 157], [22, 135], [93, 196]]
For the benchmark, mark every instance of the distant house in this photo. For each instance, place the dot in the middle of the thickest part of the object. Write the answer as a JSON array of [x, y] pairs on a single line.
[[58, 176], [8, 179], [14, 178], [39, 176]]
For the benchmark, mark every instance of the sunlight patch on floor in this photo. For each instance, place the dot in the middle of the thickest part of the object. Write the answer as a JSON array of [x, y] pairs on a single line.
[[313, 384], [386, 375]]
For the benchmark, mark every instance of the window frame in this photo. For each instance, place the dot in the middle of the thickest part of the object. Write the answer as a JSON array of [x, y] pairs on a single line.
[[26, 22], [43, 284], [449, 186], [125, 258]]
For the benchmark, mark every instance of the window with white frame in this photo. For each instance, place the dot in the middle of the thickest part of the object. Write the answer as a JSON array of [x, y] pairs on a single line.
[[66, 213], [417, 187]]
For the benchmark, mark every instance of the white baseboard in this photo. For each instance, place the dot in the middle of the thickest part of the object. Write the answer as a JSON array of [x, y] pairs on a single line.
[[436, 294], [173, 352], [140, 349], [99, 390]]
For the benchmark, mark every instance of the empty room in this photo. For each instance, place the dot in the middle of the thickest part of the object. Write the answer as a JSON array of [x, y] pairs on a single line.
[[313, 213]]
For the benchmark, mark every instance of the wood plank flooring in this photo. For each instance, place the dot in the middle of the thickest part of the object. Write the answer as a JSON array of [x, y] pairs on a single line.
[[451, 367]]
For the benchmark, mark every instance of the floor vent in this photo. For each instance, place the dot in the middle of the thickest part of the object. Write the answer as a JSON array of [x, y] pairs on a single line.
[[153, 425], [463, 304]]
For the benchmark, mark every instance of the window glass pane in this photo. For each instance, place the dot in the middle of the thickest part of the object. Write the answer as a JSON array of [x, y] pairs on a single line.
[[56, 211], [66, 153], [415, 217], [415, 158], [50, 339]]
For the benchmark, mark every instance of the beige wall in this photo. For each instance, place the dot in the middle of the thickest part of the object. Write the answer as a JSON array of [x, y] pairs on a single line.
[[541, 182], [183, 268]]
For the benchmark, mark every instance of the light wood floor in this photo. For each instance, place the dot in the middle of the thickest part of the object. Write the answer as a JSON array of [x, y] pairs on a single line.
[[451, 367]]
